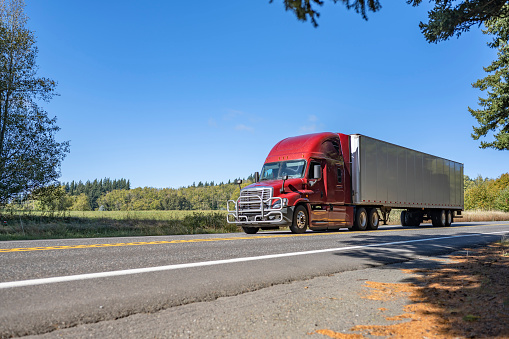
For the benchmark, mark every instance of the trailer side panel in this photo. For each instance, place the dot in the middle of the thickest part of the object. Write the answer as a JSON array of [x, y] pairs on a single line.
[[389, 175]]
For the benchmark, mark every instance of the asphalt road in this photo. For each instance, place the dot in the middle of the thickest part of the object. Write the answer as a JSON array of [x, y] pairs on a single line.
[[48, 285]]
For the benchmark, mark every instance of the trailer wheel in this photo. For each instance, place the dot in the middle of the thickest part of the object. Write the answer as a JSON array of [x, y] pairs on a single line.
[[300, 220], [250, 230], [413, 218], [403, 218], [361, 220], [438, 218], [373, 219], [448, 218]]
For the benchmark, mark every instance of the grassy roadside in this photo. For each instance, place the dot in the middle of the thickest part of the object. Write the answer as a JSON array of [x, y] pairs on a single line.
[[90, 224], [19, 226]]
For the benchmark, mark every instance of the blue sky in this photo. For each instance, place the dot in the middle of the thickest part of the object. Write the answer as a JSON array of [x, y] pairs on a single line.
[[168, 93]]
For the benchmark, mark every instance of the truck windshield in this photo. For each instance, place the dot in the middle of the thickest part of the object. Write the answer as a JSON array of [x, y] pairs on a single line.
[[276, 170]]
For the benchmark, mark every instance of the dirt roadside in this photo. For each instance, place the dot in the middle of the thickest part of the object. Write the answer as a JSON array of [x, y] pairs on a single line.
[[467, 296]]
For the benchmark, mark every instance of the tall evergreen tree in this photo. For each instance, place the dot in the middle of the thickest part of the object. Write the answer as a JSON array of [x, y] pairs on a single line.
[[493, 116], [446, 19]]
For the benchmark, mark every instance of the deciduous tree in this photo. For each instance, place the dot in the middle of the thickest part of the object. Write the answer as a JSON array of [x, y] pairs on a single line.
[[30, 156]]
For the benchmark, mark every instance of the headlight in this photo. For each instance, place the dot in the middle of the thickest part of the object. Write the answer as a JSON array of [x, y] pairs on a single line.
[[277, 203]]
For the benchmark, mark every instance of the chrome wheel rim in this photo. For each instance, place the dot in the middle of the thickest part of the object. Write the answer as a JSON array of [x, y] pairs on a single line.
[[363, 219], [442, 215], [374, 221], [301, 219]]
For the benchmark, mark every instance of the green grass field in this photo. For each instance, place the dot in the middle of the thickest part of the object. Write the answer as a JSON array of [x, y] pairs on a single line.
[[138, 215], [74, 224]]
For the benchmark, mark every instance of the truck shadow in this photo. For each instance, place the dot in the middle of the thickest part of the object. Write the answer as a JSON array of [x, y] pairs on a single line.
[[459, 282]]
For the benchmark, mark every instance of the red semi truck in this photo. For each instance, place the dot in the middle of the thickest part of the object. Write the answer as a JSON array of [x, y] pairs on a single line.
[[328, 181]]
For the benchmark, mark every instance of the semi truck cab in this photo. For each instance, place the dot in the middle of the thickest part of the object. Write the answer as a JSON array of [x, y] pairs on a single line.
[[303, 183]]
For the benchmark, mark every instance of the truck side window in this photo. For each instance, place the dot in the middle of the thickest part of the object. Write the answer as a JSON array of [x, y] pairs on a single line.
[[340, 175]]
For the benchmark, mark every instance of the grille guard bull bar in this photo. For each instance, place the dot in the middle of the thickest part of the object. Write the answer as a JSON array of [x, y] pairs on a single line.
[[255, 216]]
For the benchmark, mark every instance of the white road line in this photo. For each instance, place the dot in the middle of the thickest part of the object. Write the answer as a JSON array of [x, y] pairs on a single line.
[[33, 282]]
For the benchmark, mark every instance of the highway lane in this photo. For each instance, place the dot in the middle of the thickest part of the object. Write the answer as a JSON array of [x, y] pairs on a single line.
[[184, 269]]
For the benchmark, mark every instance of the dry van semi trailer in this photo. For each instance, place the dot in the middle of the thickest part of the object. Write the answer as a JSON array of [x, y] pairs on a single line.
[[328, 181]]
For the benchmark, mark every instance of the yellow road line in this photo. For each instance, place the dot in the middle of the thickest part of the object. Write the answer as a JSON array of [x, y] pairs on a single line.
[[142, 243]]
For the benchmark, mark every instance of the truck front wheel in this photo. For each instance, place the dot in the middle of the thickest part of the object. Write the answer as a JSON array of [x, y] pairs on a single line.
[[300, 220], [250, 230]]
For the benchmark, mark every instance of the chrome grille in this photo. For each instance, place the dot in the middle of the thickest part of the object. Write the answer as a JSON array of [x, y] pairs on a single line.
[[255, 206], [252, 199]]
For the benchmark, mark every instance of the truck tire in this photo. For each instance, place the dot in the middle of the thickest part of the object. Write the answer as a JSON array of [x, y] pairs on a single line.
[[373, 219], [416, 220], [250, 230], [413, 218], [300, 220], [438, 218], [448, 218], [403, 218], [361, 220]]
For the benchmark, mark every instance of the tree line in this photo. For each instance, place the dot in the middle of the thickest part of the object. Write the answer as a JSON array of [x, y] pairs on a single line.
[[116, 195], [201, 196], [487, 194], [95, 189]]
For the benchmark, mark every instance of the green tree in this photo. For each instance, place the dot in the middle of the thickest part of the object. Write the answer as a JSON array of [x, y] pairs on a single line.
[[487, 194], [446, 19], [479, 197], [493, 116], [502, 182], [80, 203], [502, 200], [52, 198], [29, 155], [467, 182]]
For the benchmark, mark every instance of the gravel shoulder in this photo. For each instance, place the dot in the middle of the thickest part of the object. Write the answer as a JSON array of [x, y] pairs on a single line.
[[460, 295]]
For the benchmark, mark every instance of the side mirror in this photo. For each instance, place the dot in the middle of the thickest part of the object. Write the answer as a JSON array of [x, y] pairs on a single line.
[[285, 177], [238, 181], [317, 172], [257, 177]]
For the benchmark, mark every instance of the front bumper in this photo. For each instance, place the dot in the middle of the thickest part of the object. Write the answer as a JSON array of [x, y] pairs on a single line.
[[261, 216]]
